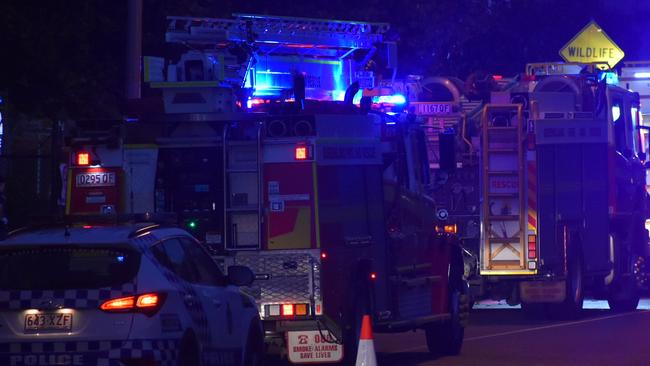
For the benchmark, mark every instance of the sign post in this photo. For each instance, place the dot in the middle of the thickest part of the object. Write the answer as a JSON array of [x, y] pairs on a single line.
[[592, 45]]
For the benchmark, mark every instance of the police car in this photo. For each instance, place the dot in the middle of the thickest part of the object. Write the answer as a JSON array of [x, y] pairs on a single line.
[[131, 295]]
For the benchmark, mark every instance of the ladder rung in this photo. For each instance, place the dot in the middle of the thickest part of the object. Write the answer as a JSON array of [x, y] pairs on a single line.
[[502, 150], [502, 128], [503, 172], [504, 195], [503, 240], [503, 217]]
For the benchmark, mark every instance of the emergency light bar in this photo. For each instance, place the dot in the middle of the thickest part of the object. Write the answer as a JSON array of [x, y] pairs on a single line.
[[389, 99]]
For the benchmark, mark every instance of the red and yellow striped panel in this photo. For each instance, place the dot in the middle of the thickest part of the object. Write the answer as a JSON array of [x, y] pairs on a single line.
[[532, 195]]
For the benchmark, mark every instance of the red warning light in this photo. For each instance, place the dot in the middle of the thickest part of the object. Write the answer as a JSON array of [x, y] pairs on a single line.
[[373, 276], [301, 153], [83, 158]]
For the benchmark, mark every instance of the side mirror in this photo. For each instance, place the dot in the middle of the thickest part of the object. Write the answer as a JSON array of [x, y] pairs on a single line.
[[240, 276]]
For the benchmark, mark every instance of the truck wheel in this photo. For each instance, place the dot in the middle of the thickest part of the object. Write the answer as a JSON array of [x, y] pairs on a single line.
[[624, 297], [446, 339]]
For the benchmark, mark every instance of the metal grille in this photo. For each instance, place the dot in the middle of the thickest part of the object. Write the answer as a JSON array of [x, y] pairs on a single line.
[[282, 277]]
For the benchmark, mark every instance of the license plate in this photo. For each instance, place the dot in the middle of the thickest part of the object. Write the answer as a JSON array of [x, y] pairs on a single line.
[[422, 108], [98, 179], [313, 346], [48, 321]]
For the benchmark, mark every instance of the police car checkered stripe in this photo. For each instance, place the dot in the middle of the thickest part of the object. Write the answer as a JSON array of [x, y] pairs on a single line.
[[76, 299], [104, 353]]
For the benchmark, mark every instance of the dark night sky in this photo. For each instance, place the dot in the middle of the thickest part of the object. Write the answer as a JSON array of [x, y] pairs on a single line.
[[66, 56]]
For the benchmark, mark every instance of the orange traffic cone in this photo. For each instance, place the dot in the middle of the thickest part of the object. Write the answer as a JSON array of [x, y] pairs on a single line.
[[366, 352]]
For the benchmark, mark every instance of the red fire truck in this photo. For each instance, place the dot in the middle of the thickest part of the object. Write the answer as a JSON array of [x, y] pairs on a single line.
[[560, 159], [563, 187], [327, 201]]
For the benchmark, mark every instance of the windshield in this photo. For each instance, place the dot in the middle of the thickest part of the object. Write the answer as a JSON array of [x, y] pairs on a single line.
[[66, 267]]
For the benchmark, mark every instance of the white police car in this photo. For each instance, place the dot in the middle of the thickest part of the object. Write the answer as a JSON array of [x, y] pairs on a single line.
[[122, 295]]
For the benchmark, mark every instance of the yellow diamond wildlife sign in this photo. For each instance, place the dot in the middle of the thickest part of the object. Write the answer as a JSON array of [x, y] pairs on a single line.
[[590, 45]]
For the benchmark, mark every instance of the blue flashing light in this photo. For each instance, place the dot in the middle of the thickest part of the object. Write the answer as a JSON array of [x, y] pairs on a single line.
[[357, 97], [610, 78], [642, 75], [120, 258], [389, 99]]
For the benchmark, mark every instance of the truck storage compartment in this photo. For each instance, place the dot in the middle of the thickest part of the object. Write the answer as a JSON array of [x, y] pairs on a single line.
[[572, 160]]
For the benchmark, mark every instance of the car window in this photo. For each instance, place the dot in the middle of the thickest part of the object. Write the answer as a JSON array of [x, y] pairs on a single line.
[[207, 270], [171, 254], [67, 267]]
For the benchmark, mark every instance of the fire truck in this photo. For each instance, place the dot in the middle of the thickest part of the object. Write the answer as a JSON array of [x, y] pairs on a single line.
[[558, 158], [267, 149]]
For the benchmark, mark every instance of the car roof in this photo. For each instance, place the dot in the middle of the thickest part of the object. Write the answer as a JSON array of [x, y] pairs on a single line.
[[90, 234]]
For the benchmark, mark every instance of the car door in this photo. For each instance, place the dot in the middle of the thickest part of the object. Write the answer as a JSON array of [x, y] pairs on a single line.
[[220, 298], [205, 309]]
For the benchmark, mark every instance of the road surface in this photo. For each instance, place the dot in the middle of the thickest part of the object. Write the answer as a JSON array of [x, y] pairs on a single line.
[[501, 335]]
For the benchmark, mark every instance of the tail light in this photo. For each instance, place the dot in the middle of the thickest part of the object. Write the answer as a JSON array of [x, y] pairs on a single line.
[[287, 310], [373, 276], [148, 303], [119, 304], [83, 158], [532, 246], [448, 229]]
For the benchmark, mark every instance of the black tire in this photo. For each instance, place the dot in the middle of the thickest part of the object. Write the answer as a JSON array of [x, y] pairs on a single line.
[[624, 297], [254, 355], [189, 353], [446, 339]]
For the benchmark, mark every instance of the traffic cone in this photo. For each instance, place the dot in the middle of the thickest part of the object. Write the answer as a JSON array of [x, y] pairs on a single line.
[[366, 352]]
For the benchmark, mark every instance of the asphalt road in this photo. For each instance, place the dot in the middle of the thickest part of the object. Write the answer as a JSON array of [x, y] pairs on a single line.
[[501, 335]]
